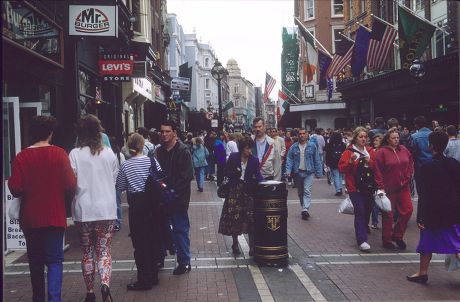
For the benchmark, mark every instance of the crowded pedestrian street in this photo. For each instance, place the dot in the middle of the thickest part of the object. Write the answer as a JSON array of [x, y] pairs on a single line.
[[324, 262]]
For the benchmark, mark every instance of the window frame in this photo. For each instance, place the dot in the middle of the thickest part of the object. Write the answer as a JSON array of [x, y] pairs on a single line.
[[333, 14], [350, 2], [305, 10], [334, 27]]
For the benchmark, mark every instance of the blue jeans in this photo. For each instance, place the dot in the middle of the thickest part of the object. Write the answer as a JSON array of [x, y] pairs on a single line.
[[45, 247], [180, 232], [199, 175], [375, 215], [337, 177], [118, 197], [362, 204], [211, 169], [304, 183]]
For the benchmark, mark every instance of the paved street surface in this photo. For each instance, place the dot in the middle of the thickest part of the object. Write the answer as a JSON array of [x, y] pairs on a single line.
[[325, 263]]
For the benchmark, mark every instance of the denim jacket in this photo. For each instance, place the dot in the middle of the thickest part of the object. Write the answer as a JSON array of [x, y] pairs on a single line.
[[418, 145], [312, 159], [199, 155]]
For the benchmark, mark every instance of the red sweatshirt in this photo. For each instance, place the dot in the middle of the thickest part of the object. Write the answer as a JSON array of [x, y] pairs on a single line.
[[42, 176], [350, 169], [393, 168]]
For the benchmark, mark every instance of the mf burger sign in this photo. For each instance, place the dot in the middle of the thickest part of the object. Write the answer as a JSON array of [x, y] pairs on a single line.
[[93, 20], [116, 67]]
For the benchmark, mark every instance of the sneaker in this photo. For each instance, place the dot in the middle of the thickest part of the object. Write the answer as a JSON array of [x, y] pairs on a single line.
[[374, 226], [200, 189], [389, 246], [365, 247], [305, 215], [401, 244], [339, 193], [116, 228], [182, 269]]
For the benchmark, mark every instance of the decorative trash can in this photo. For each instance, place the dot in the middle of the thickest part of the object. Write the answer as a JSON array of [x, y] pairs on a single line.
[[270, 223]]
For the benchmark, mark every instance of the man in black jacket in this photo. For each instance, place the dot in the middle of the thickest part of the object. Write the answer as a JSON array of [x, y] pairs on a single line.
[[175, 159]]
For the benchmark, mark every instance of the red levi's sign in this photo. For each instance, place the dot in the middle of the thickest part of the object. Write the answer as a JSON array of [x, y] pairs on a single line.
[[116, 69]]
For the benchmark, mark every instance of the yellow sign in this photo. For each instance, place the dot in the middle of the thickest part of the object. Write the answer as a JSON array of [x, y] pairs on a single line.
[[273, 222]]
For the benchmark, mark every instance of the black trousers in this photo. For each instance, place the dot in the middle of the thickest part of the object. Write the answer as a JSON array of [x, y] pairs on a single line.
[[220, 173], [144, 229]]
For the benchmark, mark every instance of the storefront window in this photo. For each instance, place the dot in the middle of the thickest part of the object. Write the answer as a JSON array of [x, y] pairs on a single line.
[[87, 83]]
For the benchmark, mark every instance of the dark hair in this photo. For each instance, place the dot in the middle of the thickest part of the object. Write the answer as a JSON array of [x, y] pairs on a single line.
[[335, 138], [451, 130], [89, 133], [41, 127], [393, 122], [420, 121], [143, 131], [245, 141], [379, 121], [154, 137], [258, 119], [170, 123], [438, 140]]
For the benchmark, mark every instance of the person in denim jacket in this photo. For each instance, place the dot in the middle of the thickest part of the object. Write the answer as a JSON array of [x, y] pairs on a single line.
[[303, 161]]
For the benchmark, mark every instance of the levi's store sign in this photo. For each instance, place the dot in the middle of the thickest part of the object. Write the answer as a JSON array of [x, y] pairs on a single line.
[[93, 20], [116, 67]]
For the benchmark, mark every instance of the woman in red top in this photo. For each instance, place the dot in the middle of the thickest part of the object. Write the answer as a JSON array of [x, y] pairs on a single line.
[[355, 155], [394, 167], [43, 179]]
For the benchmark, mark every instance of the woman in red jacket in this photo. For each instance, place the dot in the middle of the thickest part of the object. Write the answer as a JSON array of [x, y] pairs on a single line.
[[394, 167], [42, 177], [356, 158]]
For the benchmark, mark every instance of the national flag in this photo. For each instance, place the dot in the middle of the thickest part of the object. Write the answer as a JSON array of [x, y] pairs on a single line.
[[358, 57], [309, 67], [341, 57], [98, 96], [269, 84], [324, 61], [382, 38], [228, 106], [414, 36], [283, 102], [330, 88]]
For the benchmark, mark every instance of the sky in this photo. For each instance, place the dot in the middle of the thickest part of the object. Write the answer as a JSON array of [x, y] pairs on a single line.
[[248, 31]]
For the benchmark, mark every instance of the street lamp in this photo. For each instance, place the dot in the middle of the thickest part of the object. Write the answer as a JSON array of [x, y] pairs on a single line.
[[218, 72]]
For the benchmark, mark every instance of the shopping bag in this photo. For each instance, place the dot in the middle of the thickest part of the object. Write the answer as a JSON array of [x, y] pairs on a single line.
[[346, 207], [382, 201], [451, 263], [14, 207]]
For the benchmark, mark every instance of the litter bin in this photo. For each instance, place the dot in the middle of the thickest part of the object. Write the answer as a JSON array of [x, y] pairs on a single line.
[[270, 223]]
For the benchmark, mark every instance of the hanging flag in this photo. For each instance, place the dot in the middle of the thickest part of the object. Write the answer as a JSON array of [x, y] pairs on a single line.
[[98, 96], [382, 38], [341, 57], [330, 88], [359, 54], [309, 67], [324, 61], [283, 102], [228, 106], [269, 84], [414, 36]]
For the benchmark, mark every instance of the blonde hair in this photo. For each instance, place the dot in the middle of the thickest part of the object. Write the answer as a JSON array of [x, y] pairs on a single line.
[[356, 132], [135, 143], [386, 137]]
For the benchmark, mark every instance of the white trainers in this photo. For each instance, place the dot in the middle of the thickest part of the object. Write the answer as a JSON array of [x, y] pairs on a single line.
[[364, 246]]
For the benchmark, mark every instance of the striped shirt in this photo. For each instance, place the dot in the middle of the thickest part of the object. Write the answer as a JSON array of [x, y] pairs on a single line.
[[134, 173]]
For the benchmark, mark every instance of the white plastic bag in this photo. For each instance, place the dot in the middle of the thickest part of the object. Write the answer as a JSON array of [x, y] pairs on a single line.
[[452, 263], [14, 207], [346, 207], [382, 201]]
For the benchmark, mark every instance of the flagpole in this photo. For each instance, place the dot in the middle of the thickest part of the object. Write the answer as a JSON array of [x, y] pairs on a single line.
[[369, 30], [421, 18], [299, 101], [383, 21], [348, 38], [314, 38]]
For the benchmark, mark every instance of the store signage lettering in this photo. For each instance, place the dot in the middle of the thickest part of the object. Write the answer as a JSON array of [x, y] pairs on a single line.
[[93, 20], [116, 67], [15, 239]]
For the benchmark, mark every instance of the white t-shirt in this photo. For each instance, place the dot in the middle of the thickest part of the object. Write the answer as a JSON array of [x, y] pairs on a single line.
[[96, 176], [302, 165]]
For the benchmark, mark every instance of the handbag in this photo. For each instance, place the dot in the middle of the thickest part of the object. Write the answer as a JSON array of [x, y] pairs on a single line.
[[157, 183], [223, 189], [346, 207], [382, 201], [452, 263], [14, 208]]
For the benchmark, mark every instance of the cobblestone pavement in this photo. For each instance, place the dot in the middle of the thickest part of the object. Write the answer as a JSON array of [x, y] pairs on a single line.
[[325, 263]]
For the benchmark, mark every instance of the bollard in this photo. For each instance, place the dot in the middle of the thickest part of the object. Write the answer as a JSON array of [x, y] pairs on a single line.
[[270, 224]]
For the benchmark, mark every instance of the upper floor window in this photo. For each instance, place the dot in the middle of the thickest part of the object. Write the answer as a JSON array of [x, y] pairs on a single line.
[[135, 7], [351, 9], [337, 8], [206, 62], [309, 9], [206, 84], [336, 30], [363, 5], [236, 89]]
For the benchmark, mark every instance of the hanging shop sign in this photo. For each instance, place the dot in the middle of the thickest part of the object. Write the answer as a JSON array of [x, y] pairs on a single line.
[[93, 20], [180, 83], [172, 106], [31, 29], [116, 67], [144, 87]]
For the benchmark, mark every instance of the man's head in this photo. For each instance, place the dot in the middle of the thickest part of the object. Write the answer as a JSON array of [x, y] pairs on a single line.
[[451, 131], [143, 131], [393, 122], [42, 128], [379, 122], [168, 132], [258, 124], [438, 141], [303, 135], [420, 122], [318, 131]]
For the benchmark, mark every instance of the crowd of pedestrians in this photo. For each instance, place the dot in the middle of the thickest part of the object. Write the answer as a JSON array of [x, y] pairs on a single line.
[[155, 169]]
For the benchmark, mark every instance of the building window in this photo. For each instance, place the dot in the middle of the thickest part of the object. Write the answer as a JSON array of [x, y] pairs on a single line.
[[440, 40], [351, 9], [206, 83], [363, 6], [337, 8], [236, 89], [309, 9], [336, 30], [206, 62], [135, 7], [419, 4]]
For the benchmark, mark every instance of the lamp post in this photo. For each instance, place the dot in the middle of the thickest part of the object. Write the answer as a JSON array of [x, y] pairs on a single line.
[[218, 72]]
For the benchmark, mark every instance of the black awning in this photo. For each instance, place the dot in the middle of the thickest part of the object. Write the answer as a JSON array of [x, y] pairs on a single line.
[[142, 51]]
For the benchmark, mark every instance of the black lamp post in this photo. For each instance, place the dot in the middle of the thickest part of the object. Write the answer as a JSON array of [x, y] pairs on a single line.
[[218, 72]]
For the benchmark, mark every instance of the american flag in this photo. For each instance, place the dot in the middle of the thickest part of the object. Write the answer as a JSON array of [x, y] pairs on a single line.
[[98, 97], [382, 38], [341, 58], [269, 84]]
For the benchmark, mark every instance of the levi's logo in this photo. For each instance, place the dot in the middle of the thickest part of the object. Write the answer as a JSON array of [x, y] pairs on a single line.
[[115, 67], [120, 66]]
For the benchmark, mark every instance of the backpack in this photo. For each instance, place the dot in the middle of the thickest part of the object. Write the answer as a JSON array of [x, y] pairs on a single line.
[[364, 178]]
